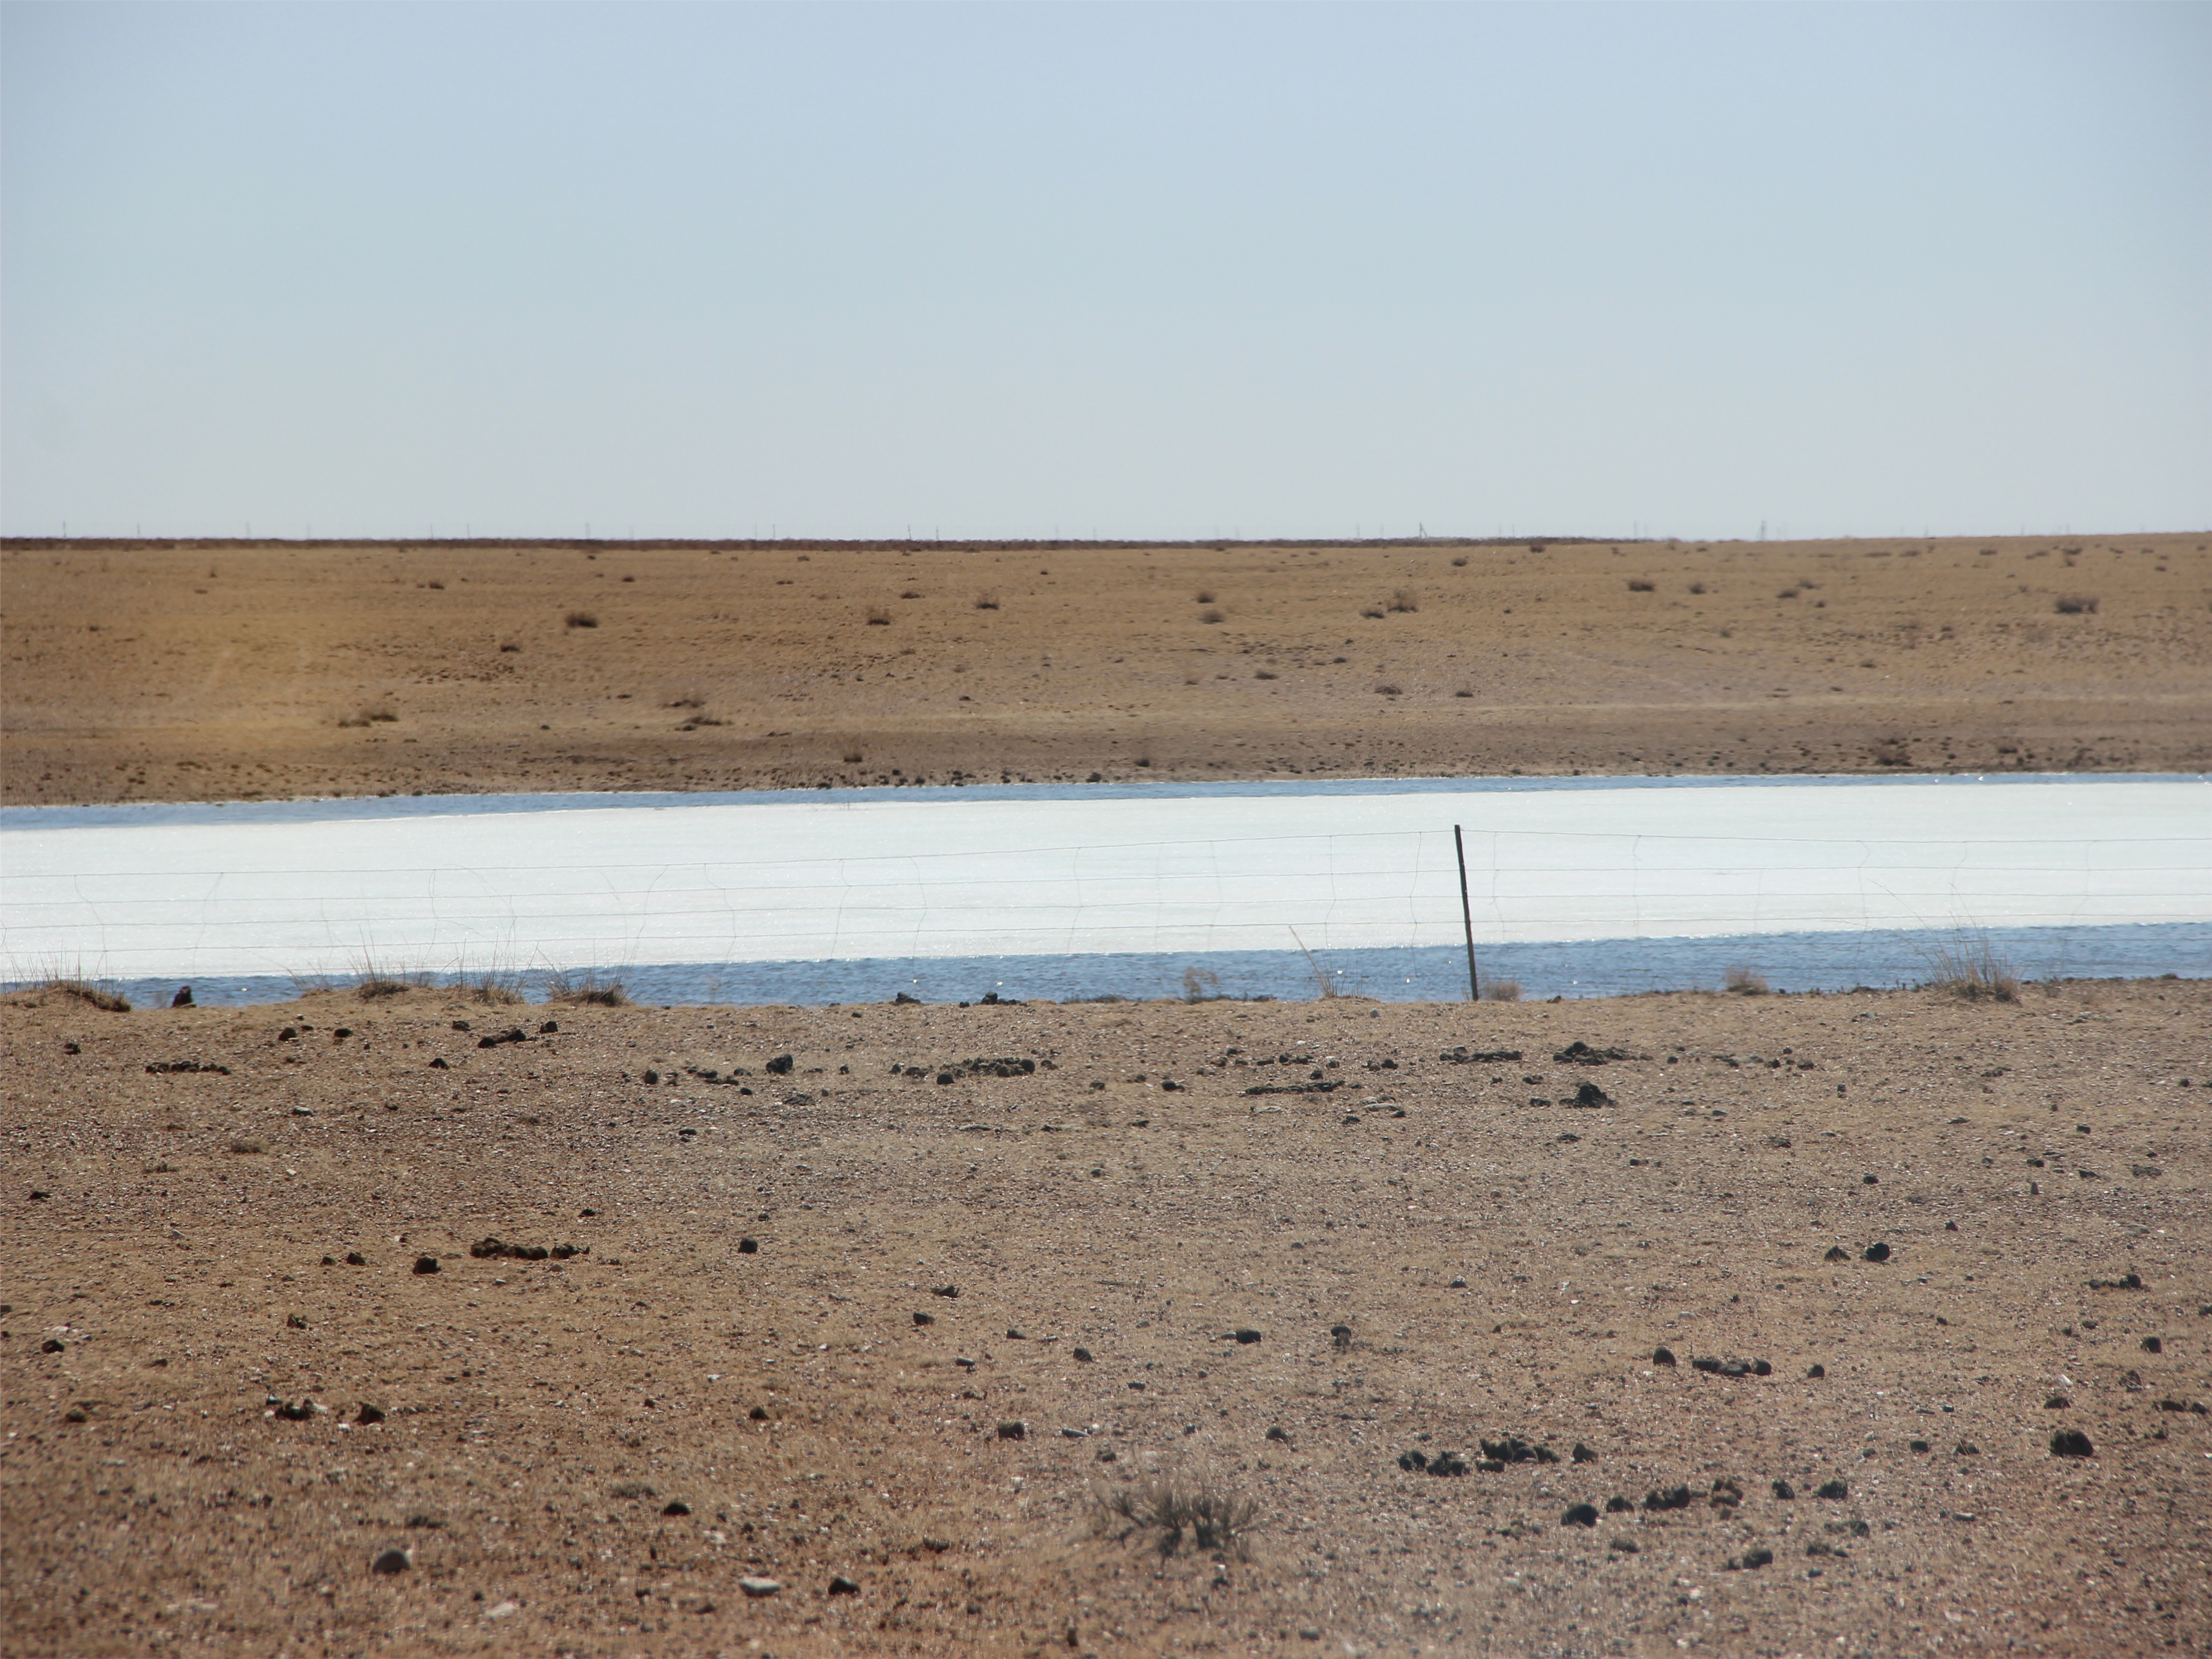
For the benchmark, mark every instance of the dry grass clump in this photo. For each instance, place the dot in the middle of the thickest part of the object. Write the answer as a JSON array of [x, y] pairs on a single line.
[[372, 984], [579, 619], [879, 616], [1501, 990], [1972, 969], [1204, 596], [587, 988], [1744, 983], [497, 987], [1389, 691], [106, 1001], [1213, 614], [986, 601], [855, 756], [1404, 600], [1373, 612], [380, 715], [1211, 1517], [2077, 605], [1638, 585]]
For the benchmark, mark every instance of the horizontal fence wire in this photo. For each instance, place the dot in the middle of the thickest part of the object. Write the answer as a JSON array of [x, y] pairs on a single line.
[[96, 903]]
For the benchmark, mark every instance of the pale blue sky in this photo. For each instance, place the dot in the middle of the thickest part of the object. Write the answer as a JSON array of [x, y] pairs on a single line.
[[1134, 270]]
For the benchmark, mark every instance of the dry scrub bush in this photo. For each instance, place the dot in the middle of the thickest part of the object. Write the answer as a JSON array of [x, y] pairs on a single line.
[[2077, 605], [580, 619], [1744, 983], [1501, 990], [1389, 691], [1404, 600], [560, 986], [106, 1001], [1639, 586], [878, 618], [986, 601], [381, 715], [1211, 615], [1214, 1519], [1204, 596], [1972, 969]]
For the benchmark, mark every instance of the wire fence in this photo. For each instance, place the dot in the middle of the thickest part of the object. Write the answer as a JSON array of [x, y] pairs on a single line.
[[522, 898]]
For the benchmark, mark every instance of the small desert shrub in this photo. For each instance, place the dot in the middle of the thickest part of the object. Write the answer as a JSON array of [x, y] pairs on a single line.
[[1460, 561], [510, 646], [878, 618], [2077, 605], [374, 984], [986, 601], [1463, 694], [1374, 612], [1404, 600], [560, 986], [1212, 616], [106, 1001], [1501, 990], [1204, 596], [1744, 983], [1389, 691], [1266, 674], [1786, 593], [1972, 969], [580, 619], [689, 697], [911, 593], [1214, 1519], [854, 758], [434, 583], [248, 1148], [1697, 587], [376, 716], [1639, 586]]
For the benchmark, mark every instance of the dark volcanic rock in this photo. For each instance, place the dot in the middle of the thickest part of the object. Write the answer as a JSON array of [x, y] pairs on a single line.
[[1877, 1253], [426, 1264], [391, 1561], [1663, 1356], [1579, 1514], [1590, 1095], [1674, 1498], [2071, 1443], [1833, 1489]]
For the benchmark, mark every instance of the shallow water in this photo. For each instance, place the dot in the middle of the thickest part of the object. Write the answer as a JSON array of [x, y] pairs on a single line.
[[1577, 886]]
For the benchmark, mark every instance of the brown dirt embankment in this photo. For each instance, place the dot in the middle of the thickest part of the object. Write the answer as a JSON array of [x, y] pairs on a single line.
[[588, 1454], [147, 671]]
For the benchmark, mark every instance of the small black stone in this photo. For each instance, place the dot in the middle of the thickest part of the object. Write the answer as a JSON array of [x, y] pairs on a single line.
[[1833, 1489], [745, 1246], [369, 1414], [758, 1415], [1014, 1430], [1919, 1445], [390, 1561], [652, 1076], [2057, 1402], [1579, 1514], [2153, 1345], [1245, 1334], [1675, 1497], [779, 1066], [1083, 1354], [1279, 1434], [1836, 1253], [1785, 1491], [676, 1506], [1877, 1253], [1619, 1505], [1584, 1455], [924, 1319], [2071, 1443], [1014, 1335], [1870, 1180], [1817, 1371], [944, 1290], [426, 1264], [841, 1585], [356, 1258], [51, 1344], [1341, 1336], [439, 1065], [1663, 1356]]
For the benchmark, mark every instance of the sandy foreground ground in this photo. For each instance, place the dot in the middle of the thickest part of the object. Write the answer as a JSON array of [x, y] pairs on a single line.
[[179, 672], [1429, 1256]]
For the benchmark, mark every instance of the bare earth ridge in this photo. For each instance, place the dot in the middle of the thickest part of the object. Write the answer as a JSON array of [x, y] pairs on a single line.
[[181, 671]]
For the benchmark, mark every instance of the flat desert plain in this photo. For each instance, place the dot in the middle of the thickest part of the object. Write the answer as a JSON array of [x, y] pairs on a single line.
[[196, 670], [920, 1318], [891, 1307]]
